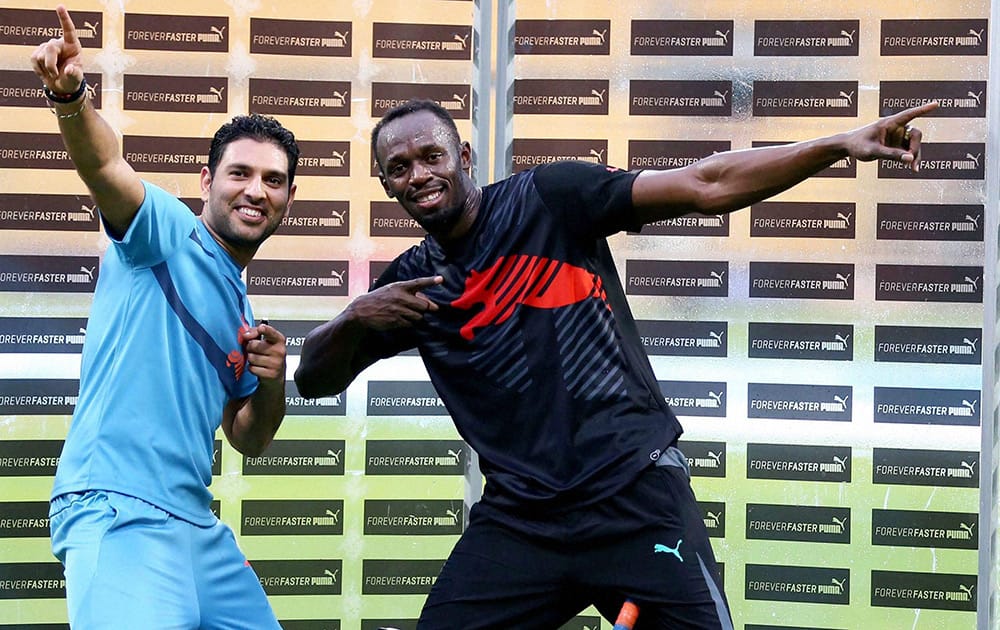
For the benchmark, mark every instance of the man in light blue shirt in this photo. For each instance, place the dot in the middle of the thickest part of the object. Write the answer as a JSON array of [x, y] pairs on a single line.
[[171, 354]]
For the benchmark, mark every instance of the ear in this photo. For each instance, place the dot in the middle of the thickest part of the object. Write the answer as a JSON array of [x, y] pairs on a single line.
[[385, 185], [466, 153], [206, 183]]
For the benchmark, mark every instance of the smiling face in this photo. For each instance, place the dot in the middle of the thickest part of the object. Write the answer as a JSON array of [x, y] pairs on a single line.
[[247, 197], [422, 165]]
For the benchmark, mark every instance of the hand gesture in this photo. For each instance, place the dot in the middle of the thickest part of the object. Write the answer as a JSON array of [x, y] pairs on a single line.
[[57, 62], [396, 305], [266, 352], [890, 138]]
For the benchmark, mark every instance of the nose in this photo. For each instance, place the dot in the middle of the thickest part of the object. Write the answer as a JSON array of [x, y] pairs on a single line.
[[254, 188], [419, 173]]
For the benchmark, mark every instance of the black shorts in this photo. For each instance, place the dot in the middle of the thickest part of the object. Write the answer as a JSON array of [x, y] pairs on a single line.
[[660, 557]]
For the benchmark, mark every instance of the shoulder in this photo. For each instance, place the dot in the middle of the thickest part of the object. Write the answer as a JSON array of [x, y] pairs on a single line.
[[576, 168], [161, 199], [578, 182], [574, 177], [160, 207], [159, 227], [593, 199]]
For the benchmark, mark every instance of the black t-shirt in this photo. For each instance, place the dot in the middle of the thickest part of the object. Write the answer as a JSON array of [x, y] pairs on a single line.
[[534, 350]]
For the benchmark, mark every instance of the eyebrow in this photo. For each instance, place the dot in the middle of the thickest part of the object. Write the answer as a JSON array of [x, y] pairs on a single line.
[[395, 157], [247, 167]]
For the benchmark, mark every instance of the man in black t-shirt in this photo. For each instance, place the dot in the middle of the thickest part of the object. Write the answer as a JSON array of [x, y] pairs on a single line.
[[516, 307]]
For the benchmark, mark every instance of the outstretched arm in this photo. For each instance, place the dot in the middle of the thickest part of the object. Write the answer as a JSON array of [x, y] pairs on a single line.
[[736, 179], [92, 144], [334, 353], [250, 423]]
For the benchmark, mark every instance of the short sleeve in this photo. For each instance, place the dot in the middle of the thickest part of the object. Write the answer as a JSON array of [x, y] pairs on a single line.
[[157, 230], [592, 197]]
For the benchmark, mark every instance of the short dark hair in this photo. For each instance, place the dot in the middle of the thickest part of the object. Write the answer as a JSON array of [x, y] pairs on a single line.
[[412, 106], [259, 127]]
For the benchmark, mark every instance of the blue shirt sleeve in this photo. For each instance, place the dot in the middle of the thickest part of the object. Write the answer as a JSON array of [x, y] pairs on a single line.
[[156, 231]]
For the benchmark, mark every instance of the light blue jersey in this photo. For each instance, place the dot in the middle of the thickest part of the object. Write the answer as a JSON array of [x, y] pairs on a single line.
[[161, 359]]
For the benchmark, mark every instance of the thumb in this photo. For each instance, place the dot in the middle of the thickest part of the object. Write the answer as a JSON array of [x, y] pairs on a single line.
[[901, 155], [74, 71]]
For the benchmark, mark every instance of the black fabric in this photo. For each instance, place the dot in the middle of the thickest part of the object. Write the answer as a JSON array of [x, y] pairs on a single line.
[[497, 578], [534, 350]]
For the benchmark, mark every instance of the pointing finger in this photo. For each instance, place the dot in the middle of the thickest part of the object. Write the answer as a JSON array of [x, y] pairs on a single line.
[[421, 283], [69, 29], [907, 115]]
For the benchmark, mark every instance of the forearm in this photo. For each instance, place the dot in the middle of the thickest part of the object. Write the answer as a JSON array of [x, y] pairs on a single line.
[[728, 181], [739, 179], [373, 326], [257, 420], [91, 142], [331, 357], [736, 179], [93, 146]]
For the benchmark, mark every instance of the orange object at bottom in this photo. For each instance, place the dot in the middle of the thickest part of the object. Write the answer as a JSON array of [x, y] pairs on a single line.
[[626, 618]]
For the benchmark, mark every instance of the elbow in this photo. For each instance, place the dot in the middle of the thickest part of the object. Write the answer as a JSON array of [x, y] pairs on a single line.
[[710, 196], [714, 194], [715, 198], [250, 444], [314, 381], [308, 383], [252, 449], [306, 390], [314, 387], [307, 373]]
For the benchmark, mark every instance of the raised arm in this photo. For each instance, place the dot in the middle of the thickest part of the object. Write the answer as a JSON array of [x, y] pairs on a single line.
[[728, 181], [334, 353], [250, 423], [91, 142]]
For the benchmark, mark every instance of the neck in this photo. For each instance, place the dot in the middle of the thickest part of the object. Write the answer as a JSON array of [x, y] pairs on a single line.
[[240, 256], [470, 210]]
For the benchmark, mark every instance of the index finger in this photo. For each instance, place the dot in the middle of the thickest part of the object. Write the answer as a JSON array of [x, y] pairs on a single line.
[[421, 283], [268, 333], [69, 29], [907, 115]]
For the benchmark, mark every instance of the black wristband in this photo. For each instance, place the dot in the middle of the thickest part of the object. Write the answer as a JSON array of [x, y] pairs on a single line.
[[65, 98]]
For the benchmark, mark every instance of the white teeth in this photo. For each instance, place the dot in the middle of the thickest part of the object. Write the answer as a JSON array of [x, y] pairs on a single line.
[[431, 197], [251, 212]]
